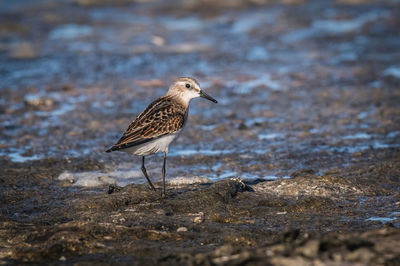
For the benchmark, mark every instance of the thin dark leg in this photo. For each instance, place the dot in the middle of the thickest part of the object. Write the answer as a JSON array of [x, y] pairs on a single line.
[[163, 174], [145, 174]]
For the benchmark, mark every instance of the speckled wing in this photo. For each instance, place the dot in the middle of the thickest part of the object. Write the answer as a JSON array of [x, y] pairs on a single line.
[[162, 117]]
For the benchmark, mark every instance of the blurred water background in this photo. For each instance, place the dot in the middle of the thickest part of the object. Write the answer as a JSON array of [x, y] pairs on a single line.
[[301, 84]]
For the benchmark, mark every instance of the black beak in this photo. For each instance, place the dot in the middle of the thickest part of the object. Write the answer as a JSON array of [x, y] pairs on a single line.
[[206, 96]]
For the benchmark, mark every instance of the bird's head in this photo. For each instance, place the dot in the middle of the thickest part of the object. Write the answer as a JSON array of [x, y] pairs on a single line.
[[188, 88]]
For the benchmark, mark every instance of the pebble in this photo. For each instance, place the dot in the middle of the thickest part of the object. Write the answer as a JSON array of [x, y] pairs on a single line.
[[198, 219], [39, 102], [310, 249], [182, 229]]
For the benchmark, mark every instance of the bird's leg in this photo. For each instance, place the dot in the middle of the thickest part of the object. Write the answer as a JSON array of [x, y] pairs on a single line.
[[163, 174], [145, 174]]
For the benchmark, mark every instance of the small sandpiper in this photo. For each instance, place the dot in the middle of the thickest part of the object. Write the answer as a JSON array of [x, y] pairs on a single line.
[[160, 123]]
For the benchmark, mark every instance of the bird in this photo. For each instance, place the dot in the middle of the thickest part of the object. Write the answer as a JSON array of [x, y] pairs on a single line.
[[155, 128]]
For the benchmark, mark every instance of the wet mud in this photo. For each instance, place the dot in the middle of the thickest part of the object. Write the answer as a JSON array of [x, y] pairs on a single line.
[[298, 164], [334, 218]]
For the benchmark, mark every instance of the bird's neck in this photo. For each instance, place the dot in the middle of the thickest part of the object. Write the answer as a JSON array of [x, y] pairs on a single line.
[[182, 98]]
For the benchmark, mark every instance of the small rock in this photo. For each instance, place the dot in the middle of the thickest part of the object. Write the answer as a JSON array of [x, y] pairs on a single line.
[[198, 219], [242, 126], [67, 87], [182, 229], [337, 256], [62, 258], [310, 249], [224, 250], [39, 103], [160, 212], [67, 176], [113, 188], [157, 40]]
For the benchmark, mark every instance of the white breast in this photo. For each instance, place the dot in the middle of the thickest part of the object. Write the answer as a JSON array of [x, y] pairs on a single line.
[[154, 146]]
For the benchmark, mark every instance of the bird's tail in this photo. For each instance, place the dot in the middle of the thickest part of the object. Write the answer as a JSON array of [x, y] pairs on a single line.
[[110, 149]]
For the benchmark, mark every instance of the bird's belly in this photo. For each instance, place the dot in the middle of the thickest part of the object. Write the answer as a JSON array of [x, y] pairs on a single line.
[[154, 146]]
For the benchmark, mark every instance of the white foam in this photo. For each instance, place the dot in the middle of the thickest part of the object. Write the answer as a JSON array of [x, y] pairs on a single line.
[[184, 24], [246, 23], [392, 71], [317, 130], [363, 115], [97, 178], [357, 148], [206, 127], [121, 178], [334, 27], [381, 219], [19, 158], [359, 135], [271, 177], [258, 53], [226, 174], [199, 152], [298, 35], [66, 105], [248, 86], [70, 31], [393, 134], [344, 26], [43, 67], [271, 136], [181, 180], [248, 176]]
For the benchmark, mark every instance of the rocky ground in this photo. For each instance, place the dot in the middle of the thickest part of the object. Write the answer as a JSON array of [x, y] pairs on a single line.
[[298, 163]]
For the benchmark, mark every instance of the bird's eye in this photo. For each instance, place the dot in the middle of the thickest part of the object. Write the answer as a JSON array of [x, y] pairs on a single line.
[[187, 85]]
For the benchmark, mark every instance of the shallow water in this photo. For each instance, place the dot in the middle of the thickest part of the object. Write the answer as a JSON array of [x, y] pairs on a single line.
[[285, 91]]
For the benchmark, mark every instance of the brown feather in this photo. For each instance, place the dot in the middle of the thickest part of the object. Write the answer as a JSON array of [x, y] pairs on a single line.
[[163, 116]]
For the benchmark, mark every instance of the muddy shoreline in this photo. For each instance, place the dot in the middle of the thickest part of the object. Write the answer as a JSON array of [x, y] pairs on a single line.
[[347, 216], [298, 163]]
